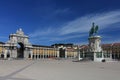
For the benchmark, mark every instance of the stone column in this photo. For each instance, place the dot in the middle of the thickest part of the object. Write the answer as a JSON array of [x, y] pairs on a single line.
[[79, 57], [43, 53], [5, 54], [58, 53], [65, 53], [110, 55], [26, 52], [14, 52], [31, 54]]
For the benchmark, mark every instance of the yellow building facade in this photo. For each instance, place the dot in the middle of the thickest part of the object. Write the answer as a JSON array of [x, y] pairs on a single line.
[[42, 52], [18, 46]]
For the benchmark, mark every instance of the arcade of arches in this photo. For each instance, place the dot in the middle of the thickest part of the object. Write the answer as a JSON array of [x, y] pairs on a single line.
[[18, 46]]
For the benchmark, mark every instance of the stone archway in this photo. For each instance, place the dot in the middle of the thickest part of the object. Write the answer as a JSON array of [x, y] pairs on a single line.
[[18, 45], [62, 53], [20, 50], [8, 55]]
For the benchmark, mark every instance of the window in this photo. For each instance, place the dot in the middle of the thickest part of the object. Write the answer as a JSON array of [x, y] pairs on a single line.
[[99, 54]]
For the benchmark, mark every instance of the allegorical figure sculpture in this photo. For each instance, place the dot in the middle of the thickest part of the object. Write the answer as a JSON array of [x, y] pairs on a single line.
[[93, 31]]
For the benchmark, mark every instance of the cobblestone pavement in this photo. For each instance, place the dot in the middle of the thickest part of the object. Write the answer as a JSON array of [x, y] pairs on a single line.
[[5, 63], [49, 69]]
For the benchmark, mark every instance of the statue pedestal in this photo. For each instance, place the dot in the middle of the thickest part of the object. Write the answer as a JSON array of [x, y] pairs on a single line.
[[79, 56], [95, 48]]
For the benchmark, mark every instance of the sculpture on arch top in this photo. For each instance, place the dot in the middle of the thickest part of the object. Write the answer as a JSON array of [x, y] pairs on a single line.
[[19, 31]]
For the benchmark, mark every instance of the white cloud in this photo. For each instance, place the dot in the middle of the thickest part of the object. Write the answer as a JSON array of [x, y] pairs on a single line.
[[62, 11], [115, 40], [59, 38], [80, 27], [83, 24], [42, 32]]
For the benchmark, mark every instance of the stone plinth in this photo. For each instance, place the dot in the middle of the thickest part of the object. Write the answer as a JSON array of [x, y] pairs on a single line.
[[95, 48]]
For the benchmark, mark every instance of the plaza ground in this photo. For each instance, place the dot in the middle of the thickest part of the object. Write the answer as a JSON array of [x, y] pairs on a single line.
[[50, 69]]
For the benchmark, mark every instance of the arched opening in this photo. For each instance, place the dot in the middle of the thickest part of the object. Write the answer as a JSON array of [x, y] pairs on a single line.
[[8, 55], [20, 50], [2, 55], [29, 56], [33, 56], [62, 53], [36, 56], [39, 56]]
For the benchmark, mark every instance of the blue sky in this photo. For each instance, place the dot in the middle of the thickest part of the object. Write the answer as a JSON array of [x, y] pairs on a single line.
[[60, 21]]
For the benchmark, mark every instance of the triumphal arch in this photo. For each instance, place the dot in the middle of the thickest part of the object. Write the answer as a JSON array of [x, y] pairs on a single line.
[[18, 46]]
